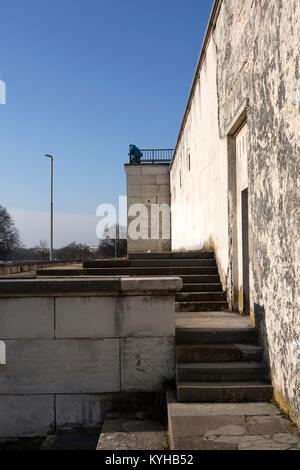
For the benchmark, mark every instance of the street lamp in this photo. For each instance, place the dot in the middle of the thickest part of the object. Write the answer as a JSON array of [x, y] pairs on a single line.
[[51, 208]]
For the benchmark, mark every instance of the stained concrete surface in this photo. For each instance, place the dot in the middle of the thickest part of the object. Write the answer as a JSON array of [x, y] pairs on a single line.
[[229, 426], [132, 431]]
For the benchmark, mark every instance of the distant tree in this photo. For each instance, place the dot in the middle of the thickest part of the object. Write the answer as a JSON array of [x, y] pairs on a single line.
[[75, 251], [9, 236], [41, 251], [114, 242]]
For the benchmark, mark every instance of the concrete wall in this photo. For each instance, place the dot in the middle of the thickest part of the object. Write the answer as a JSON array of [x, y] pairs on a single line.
[[68, 356], [247, 72], [148, 185], [198, 175]]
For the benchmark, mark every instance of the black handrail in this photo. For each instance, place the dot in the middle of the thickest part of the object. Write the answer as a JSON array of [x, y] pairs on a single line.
[[152, 156]]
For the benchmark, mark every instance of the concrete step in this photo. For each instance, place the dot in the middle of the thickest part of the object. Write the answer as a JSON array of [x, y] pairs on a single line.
[[122, 263], [202, 287], [156, 271], [220, 371], [218, 352], [216, 335], [173, 255], [226, 392], [200, 296], [60, 272], [201, 306], [189, 279]]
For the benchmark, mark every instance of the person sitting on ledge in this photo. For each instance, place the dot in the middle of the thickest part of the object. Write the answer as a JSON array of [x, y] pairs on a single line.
[[135, 154]]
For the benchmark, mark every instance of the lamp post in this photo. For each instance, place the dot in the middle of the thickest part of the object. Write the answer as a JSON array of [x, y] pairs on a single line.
[[51, 208]]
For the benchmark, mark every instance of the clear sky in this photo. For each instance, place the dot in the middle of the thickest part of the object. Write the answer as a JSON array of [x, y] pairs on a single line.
[[84, 79]]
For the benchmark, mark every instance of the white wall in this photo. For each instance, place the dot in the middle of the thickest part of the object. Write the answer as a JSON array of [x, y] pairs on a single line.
[[204, 185]]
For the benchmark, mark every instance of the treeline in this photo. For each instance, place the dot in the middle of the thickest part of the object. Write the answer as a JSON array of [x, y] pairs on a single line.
[[11, 247]]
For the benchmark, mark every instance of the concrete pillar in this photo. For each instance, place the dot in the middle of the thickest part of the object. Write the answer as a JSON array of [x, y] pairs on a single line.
[[148, 224]]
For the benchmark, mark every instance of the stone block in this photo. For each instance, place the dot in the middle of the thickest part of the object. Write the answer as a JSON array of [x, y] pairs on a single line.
[[26, 415], [134, 190], [61, 366], [150, 190], [24, 318], [141, 179], [81, 410], [155, 169], [163, 179], [147, 315], [147, 364], [133, 170], [151, 283], [85, 317], [146, 200], [163, 189]]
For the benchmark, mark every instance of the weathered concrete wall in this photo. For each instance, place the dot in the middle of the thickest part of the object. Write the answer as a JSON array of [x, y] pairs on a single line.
[[249, 69], [68, 356], [148, 185], [199, 174]]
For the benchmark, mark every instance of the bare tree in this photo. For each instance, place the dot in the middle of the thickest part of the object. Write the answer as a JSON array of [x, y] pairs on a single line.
[[42, 250], [9, 236], [114, 242]]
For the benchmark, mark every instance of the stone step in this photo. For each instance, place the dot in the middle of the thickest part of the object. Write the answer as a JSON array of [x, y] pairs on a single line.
[[216, 335], [226, 392], [202, 287], [189, 279], [173, 255], [200, 296], [155, 263], [201, 306], [156, 271], [220, 371], [68, 272], [218, 352]]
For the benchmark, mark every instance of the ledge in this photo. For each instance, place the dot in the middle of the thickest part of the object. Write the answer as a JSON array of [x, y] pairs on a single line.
[[90, 287]]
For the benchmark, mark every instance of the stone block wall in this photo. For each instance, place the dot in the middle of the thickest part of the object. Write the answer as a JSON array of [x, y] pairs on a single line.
[[73, 348], [148, 185]]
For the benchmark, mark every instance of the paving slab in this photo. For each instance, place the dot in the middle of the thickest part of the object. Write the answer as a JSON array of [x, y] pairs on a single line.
[[131, 431], [229, 426], [212, 320]]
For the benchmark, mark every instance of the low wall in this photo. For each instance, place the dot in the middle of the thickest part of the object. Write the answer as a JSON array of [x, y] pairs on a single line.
[[23, 267], [72, 346]]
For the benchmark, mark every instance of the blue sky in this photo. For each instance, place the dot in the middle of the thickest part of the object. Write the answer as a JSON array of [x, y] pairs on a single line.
[[85, 78]]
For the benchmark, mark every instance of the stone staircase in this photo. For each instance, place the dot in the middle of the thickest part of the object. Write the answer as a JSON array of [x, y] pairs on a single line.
[[218, 358]]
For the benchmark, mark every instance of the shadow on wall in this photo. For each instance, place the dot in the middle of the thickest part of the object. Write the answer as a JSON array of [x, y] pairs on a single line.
[[260, 323]]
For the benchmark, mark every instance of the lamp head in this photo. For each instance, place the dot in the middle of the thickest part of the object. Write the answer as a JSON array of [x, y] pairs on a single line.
[[49, 156]]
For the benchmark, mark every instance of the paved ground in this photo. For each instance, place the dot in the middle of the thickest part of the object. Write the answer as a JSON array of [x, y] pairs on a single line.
[[212, 320], [132, 431], [229, 426]]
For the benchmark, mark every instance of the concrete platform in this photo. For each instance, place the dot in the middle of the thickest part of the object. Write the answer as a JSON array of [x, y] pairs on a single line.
[[131, 431], [214, 319], [229, 426]]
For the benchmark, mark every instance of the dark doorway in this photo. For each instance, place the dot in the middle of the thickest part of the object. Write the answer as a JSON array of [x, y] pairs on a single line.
[[246, 301]]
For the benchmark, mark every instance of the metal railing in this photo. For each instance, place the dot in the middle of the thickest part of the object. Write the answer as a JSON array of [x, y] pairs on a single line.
[[152, 156]]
